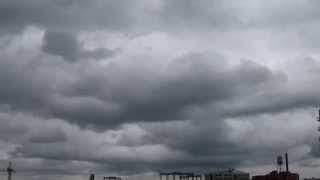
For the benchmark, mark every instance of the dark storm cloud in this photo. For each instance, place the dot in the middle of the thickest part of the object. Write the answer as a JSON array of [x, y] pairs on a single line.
[[62, 44], [143, 16], [10, 130], [102, 99], [283, 96], [199, 147], [19, 90], [206, 146], [192, 81], [163, 102], [183, 151], [114, 97], [124, 16], [67, 46], [199, 81], [54, 135], [64, 14]]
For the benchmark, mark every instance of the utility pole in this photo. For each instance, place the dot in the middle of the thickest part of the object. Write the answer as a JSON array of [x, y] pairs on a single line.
[[9, 170], [319, 121], [91, 177]]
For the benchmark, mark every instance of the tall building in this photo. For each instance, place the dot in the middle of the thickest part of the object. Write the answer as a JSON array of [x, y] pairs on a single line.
[[230, 174]]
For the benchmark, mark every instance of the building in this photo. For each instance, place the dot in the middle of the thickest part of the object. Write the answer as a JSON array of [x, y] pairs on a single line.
[[279, 175], [230, 174], [180, 175], [313, 178], [275, 175]]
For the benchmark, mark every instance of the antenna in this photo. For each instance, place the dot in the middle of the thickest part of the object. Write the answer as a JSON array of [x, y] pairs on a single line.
[[287, 162]]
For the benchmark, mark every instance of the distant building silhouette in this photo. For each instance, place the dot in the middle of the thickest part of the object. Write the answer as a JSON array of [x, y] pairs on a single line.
[[279, 175], [274, 175], [180, 175], [230, 174], [111, 178], [313, 178]]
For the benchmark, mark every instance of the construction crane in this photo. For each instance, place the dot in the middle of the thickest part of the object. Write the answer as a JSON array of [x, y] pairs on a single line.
[[9, 170]]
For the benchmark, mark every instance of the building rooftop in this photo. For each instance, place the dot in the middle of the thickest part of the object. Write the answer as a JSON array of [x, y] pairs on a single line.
[[228, 171]]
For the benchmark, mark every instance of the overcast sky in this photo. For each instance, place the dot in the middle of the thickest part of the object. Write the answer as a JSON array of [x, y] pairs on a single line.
[[136, 87]]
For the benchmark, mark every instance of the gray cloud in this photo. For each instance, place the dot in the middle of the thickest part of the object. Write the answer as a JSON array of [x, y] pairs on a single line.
[[143, 16], [197, 81], [196, 86], [61, 44], [64, 14], [68, 47]]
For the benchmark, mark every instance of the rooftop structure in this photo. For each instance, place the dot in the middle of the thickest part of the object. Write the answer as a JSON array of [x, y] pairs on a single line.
[[180, 175], [111, 178], [274, 175], [229, 174], [279, 175], [313, 178]]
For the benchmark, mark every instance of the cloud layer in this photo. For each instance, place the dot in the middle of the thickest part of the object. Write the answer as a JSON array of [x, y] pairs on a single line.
[[135, 88]]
